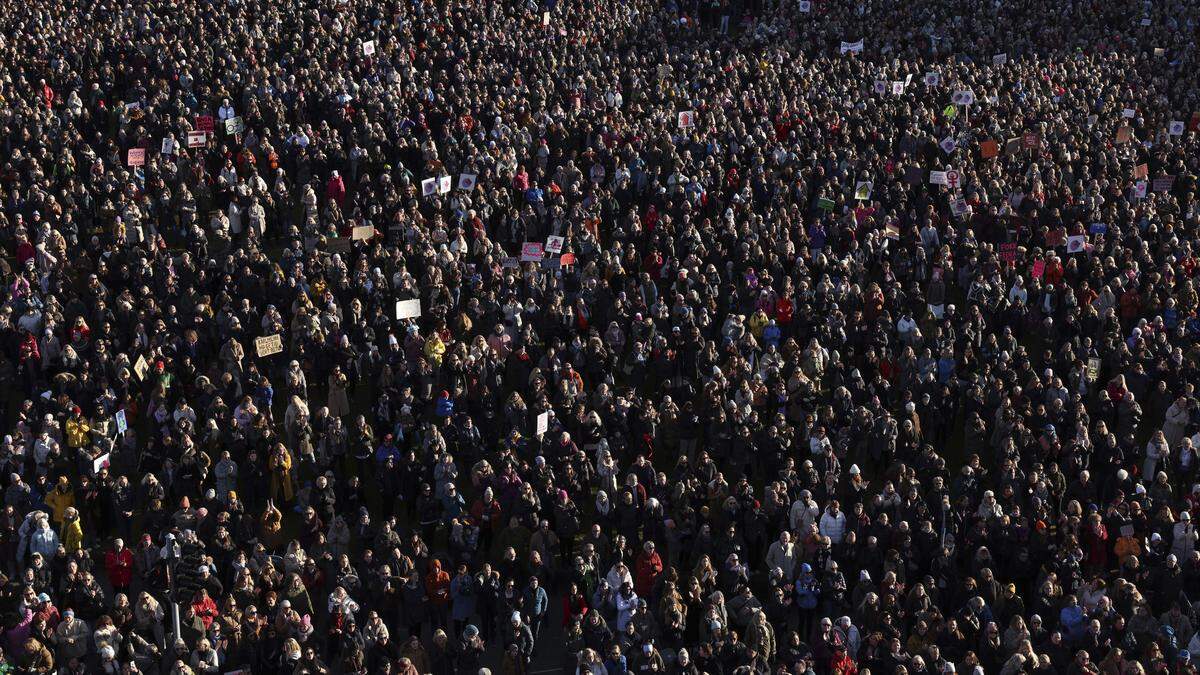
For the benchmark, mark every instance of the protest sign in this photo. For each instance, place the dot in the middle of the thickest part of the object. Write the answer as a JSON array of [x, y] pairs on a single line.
[[136, 157], [466, 181], [862, 191], [197, 139], [269, 345], [554, 243], [362, 232], [686, 119], [443, 185], [855, 47], [1163, 183], [1075, 243], [1008, 252], [368, 48], [531, 251], [429, 187], [408, 309], [141, 367], [205, 123], [339, 245]]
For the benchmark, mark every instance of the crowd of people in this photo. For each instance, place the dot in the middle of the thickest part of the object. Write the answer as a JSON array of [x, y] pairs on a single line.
[[825, 337]]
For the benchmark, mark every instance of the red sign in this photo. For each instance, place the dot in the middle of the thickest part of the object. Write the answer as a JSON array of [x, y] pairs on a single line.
[[205, 123]]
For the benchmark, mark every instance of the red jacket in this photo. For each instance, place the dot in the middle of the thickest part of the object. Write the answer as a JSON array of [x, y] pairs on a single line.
[[648, 568], [206, 609], [119, 566], [437, 584], [574, 607]]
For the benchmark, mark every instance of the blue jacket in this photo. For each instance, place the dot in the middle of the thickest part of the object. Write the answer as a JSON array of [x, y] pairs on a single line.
[[537, 603], [462, 597]]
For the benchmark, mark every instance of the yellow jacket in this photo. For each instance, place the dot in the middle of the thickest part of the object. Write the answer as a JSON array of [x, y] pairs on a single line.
[[758, 321], [59, 502], [77, 433], [434, 349], [72, 536]]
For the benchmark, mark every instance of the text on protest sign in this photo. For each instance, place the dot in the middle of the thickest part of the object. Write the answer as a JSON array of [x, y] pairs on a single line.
[[269, 345]]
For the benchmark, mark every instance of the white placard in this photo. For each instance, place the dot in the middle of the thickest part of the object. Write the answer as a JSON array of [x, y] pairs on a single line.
[[168, 146], [408, 309], [1176, 128], [368, 48], [554, 243], [855, 47], [101, 462], [429, 187], [963, 97], [543, 423], [466, 181], [805, 6], [269, 345], [197, 139], [444, 184], [932, 79], [686, 119]]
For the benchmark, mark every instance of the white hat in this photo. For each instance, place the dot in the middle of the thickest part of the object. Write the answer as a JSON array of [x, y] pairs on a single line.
[[854, 470]]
